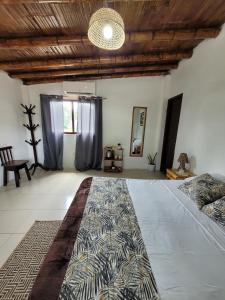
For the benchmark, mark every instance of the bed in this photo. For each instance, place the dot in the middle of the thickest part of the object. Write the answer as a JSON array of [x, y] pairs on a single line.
[[185, 248]]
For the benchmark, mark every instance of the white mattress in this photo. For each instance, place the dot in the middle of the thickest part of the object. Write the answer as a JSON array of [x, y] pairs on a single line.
[[186, 248]]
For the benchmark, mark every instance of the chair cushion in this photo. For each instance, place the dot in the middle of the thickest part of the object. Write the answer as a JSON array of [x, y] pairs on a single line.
[[203, 189]]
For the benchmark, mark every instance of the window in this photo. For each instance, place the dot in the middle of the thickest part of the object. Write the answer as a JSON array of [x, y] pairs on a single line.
[[70, 116]]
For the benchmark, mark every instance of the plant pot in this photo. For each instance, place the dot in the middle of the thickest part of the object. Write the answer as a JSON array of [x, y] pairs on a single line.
[[151, 168]]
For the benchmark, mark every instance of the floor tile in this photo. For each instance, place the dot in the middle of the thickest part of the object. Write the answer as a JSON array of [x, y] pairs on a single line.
[[3, 238], [46, 197], [9, 246], [11, 221]]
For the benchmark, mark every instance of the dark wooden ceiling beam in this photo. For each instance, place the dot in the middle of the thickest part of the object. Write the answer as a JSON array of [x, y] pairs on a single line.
[[91, 61], [76, 72], [134, 37], [11, 2], [94, 77]]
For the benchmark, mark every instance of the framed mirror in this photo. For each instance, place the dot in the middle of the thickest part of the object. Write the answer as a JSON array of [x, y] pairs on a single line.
[[138, 131]]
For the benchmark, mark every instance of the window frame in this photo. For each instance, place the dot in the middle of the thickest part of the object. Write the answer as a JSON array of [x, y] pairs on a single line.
[[72, 108]]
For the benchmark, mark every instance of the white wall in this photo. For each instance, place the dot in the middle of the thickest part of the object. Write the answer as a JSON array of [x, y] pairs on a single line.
[[202, 123], [11, 118], [122, 95]]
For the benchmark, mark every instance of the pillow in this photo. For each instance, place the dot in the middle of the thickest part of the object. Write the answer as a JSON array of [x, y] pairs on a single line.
[[216, 211], [217, 176], [203, 189]]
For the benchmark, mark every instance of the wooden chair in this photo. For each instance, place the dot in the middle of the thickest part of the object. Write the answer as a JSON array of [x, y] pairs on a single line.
[[9, 164]]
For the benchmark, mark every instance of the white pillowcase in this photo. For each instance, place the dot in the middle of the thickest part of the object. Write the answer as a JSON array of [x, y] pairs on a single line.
[[189, 178]]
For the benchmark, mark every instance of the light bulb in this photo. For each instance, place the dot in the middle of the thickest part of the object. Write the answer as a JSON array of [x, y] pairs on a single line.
[[107, 32]]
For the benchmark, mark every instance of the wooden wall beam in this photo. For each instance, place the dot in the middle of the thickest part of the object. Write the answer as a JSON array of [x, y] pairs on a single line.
[[96, 77], [91, 61], [76, 72], [13, 2], [134, 37]]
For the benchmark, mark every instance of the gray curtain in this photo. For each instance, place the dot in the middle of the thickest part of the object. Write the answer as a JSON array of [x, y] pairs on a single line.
[[89, 134], [52, 129]]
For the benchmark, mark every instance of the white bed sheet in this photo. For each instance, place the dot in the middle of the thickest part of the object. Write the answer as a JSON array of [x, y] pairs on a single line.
[[186, 248]]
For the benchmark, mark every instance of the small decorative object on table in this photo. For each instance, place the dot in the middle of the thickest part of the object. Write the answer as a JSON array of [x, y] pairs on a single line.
[[181, 173], [113, 159], [109, 154], [183, 159], [151, 162]]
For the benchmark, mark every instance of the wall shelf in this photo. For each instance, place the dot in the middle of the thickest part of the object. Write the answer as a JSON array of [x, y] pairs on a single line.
[[112, 164]]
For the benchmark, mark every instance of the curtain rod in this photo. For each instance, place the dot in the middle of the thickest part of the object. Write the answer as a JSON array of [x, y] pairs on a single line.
[[78, 93]]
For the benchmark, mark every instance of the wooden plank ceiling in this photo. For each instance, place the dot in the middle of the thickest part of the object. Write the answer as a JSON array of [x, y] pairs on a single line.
[[46, 41]]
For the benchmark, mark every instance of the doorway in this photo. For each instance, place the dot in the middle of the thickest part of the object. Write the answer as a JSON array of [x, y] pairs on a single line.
[[170, 133]]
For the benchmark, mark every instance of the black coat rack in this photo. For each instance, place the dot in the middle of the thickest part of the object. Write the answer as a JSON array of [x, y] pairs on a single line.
[[31, 127]]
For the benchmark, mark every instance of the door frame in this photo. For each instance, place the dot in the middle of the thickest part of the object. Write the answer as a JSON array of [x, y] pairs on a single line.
[[166, 130]]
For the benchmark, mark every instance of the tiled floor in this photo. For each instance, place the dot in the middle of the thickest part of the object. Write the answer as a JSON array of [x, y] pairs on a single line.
[[46, 197]]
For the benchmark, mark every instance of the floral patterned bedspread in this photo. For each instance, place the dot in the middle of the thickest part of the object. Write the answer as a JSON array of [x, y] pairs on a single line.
[[109, 259]]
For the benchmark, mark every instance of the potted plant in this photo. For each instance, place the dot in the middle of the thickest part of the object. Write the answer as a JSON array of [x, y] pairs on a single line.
[[151, 162]]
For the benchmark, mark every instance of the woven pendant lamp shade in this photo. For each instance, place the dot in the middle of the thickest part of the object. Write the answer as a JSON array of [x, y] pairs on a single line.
[[106, 29]]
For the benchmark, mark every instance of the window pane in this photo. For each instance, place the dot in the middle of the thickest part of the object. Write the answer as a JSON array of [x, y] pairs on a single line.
[[67, 109], [75, 115]]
